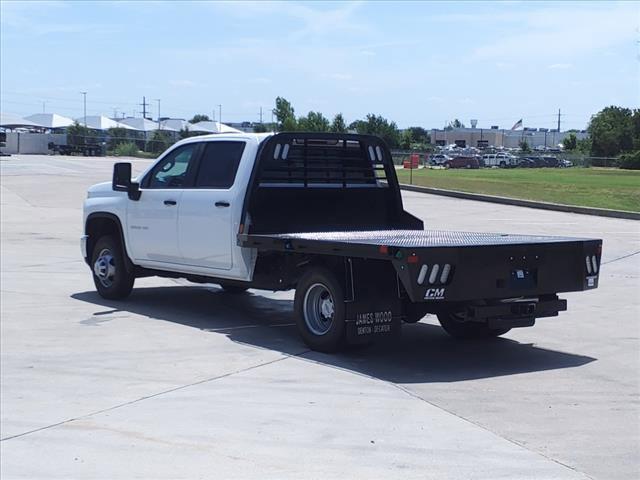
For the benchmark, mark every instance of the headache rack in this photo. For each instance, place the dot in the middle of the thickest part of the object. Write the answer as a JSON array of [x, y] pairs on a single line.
[[322, 161], [304, 182]]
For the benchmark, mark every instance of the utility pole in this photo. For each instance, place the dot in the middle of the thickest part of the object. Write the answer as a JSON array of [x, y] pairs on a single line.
[[144, 107], [260, 115], [159, 125], [559, 115], [220, 113], [43, 103], [84, 94]]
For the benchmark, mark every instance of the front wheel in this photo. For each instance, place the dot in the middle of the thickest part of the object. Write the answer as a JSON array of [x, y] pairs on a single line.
[[320, 311], [110, 274], [456, 325]]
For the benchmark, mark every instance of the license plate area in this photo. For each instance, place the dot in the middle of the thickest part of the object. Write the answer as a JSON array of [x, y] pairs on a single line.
[[523, 278]]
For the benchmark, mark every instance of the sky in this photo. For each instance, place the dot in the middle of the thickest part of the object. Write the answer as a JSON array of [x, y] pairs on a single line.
[[418, 64]]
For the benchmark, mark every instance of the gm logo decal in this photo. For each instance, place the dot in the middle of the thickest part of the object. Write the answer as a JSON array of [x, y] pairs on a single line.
[[434, 294]]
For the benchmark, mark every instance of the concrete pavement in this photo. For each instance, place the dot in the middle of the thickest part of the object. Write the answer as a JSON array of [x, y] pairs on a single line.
[[184, 381]]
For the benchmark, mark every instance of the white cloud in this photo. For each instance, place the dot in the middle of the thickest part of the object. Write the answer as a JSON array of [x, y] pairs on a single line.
[[545, 31], [307, 19]]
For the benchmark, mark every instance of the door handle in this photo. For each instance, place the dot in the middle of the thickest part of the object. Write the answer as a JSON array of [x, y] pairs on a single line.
[[222, 204], [170, 202]]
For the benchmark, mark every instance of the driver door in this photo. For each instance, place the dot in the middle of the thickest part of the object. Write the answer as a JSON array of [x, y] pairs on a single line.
[[152, 221]]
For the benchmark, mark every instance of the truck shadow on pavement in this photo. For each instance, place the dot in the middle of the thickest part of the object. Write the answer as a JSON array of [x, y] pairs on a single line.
[[424, 353]]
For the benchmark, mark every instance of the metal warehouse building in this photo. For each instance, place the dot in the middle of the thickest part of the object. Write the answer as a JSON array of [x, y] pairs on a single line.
[[494, 137]]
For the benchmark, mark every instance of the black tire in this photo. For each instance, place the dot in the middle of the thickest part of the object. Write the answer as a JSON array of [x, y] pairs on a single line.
[[320, 332], [117, 283], [455, 325], [234, 289]]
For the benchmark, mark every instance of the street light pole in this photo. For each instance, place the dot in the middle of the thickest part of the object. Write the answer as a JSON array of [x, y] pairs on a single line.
[[84, 94], [159, 124], [220, 113]]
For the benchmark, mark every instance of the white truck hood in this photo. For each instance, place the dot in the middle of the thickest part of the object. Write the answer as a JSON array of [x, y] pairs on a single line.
[[102, 189]]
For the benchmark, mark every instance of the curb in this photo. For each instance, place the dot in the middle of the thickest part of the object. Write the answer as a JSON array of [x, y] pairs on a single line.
[[600, 212]]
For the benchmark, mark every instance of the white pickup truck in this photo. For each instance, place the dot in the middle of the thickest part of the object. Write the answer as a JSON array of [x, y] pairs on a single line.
[[321, 213]]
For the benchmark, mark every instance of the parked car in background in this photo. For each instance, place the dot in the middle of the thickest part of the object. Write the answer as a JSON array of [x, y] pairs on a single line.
[[502, 160], [462, 162], [438, 159], [566, 163], [551, 162], [527, 162]]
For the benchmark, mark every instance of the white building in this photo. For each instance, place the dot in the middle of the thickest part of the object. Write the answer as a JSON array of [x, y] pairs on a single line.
[[495, 137]]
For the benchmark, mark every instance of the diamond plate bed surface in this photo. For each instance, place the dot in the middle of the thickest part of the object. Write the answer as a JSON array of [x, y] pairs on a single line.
[[422, 238]]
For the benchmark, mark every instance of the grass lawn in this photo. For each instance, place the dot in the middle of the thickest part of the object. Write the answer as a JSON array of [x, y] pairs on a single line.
[[591, 187]]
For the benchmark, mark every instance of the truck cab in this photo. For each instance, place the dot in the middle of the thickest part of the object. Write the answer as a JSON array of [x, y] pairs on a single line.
[[184, 215]]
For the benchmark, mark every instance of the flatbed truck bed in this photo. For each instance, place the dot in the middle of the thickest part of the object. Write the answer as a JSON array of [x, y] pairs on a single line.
[[510, 264]]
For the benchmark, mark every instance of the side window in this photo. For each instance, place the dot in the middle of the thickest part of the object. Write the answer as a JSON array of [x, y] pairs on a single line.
[[219, 164], [172, 170]]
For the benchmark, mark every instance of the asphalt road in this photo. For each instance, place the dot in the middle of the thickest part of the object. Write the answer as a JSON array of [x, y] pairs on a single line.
[[185, 381]]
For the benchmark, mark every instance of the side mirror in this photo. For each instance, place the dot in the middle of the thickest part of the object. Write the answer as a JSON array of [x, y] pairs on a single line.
[[122, 181]]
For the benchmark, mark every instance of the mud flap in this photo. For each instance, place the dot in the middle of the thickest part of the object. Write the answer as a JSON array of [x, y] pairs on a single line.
[[374, 307]]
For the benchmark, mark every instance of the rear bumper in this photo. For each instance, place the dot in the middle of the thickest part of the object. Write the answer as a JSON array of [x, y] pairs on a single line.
[[517, 309], [498, 272]]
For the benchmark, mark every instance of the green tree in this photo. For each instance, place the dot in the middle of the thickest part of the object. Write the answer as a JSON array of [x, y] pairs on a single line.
[[160, 140], [285, 115], [524, 146], [186, 133], [570, 142], [406, 139], [117, 136], [455, 124], [611, 131], [635, 119], [199, 117], [314, 122], [584, 146], [260, 128], [338, 125], [77, 134], [419, 135], [379, 126]]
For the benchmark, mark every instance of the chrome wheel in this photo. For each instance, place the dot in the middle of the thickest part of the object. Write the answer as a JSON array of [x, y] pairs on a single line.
[[104, 268], [318, 309]]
